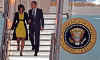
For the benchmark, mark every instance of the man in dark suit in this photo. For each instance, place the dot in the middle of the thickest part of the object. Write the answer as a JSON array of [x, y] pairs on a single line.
[[36, 23]]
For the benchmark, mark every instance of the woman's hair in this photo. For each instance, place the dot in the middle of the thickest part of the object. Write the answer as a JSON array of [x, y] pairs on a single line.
[[21, 6]]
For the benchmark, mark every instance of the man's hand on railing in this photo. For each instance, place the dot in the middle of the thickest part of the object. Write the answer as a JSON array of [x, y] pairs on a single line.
[[29, 21]]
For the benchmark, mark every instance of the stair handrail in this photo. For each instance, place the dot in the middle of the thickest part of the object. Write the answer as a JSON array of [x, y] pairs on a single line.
[[3, 48], [4, 41], [53, 47]]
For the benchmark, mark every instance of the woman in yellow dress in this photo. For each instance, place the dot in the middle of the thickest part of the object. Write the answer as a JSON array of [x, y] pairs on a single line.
[[19, 26]]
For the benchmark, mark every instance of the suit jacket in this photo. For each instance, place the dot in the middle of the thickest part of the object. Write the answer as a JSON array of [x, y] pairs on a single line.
[[37, 21], [15, 24]]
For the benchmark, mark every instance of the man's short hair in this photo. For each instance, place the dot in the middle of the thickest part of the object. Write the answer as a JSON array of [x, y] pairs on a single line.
[[35, 2]]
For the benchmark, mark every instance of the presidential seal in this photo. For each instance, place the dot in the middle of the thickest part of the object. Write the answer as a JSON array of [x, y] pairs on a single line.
[[78, 36]]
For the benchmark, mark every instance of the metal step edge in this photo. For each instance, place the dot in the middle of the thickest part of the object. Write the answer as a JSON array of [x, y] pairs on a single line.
[[29, 55], [43, 39], [53, 13], [29, 51], [49, 13], [50, 24], [29, 45], [49, 29], [40, 40], [49, 18], [40, 34]]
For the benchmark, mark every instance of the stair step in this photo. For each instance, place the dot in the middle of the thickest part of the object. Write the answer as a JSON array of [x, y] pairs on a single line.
[[28, 43], [30, 53], [49, 13], [50, 27], [49, 21], [41, 40], [28, 57], [48, 32], [42, 37], [30, 48], [47, 27], [50, 16], [41, 34]]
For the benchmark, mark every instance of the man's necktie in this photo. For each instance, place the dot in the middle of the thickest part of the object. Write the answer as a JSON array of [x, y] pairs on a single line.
[[33, 11]]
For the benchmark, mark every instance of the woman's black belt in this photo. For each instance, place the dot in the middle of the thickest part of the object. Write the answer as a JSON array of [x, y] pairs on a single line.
[[21, 20]]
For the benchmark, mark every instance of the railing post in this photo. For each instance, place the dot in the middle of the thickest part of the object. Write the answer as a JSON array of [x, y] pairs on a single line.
[[52, 49], [59, 24], [6, 8], [4, 38]]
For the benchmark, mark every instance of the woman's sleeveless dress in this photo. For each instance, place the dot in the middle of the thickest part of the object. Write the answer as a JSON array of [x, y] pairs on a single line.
[[20, 30]]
